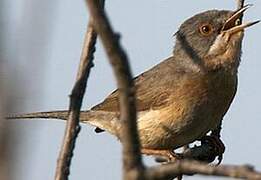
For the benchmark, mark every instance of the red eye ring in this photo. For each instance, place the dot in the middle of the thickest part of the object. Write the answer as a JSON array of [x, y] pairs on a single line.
[[206, 29]]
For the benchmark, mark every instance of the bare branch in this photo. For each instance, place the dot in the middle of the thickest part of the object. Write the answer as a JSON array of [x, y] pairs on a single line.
[[72, 126], [4, 129], [240, 3], [191, 167], [131, 147]]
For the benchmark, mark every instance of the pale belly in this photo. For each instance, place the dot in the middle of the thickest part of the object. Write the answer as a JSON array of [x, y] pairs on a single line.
[[158, 132], [184, 121]]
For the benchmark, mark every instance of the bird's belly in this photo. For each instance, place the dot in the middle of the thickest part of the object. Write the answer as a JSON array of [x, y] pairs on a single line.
[[158, 130], [161, 130], [189, 118]]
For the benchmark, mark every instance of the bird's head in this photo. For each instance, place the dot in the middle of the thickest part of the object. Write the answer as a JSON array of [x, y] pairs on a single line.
[[212, 40]]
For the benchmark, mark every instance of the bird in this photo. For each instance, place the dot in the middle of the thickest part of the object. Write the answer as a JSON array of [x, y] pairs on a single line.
[[184, 97]]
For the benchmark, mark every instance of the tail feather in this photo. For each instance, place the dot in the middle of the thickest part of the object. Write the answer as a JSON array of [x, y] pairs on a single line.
[[47, 115], [101, 119]]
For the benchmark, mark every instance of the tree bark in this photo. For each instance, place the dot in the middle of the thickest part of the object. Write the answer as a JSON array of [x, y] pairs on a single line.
[[72, 125], [132, 163]]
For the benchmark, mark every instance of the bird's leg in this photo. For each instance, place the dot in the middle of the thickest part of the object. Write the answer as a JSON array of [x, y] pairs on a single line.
[[217, 144], [168, 154], [216, 133]]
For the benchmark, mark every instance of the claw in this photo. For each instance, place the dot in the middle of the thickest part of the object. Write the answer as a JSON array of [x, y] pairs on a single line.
[[220, 158], [217, 144], [179, 177]]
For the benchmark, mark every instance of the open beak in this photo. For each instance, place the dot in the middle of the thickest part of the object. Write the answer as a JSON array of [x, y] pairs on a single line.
[[234, 25]]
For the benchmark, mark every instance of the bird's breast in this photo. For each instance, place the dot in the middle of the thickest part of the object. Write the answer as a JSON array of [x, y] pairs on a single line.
[[197, 105], [208, 102]]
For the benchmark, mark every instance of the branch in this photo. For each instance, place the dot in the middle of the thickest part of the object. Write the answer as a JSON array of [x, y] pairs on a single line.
[[132, 162], [191, 167], [72, 125], [240, 3], [4, 128]]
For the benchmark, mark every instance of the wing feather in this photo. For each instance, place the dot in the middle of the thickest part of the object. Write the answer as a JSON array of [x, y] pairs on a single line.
[[153, 88]]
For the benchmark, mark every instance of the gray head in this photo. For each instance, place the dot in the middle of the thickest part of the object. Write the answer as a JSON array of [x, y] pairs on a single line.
[[212, 39]]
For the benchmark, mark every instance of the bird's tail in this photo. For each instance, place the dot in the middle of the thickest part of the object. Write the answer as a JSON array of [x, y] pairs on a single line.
[[102, 119], [62, 115]]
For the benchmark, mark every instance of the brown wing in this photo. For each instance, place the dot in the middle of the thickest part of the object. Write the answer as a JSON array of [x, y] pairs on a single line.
[[153, 88]]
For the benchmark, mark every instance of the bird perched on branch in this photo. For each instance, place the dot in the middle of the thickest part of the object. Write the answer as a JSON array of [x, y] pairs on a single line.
[[185, 96]]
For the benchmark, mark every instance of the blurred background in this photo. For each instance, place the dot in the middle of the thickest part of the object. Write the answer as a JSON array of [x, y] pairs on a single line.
[[40, 49]]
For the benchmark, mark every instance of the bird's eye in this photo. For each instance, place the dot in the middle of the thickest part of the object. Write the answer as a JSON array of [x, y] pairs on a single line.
[[206, 29], [237, 22]]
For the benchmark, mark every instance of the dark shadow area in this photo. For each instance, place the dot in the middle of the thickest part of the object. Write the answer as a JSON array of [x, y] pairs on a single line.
[[193, 55]]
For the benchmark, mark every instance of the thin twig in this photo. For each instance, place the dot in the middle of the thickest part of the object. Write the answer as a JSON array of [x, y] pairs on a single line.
[[132, 162], [191, 167], [4, 128], [240, 3], [72, 125]]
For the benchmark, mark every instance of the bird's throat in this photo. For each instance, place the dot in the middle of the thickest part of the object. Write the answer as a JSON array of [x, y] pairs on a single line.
[[225, 52]]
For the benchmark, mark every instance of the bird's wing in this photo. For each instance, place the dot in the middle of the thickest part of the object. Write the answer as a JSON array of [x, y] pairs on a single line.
[[153, 88]]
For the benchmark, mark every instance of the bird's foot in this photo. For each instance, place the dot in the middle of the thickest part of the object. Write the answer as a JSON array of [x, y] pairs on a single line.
[[167, 155], [217, 145]]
